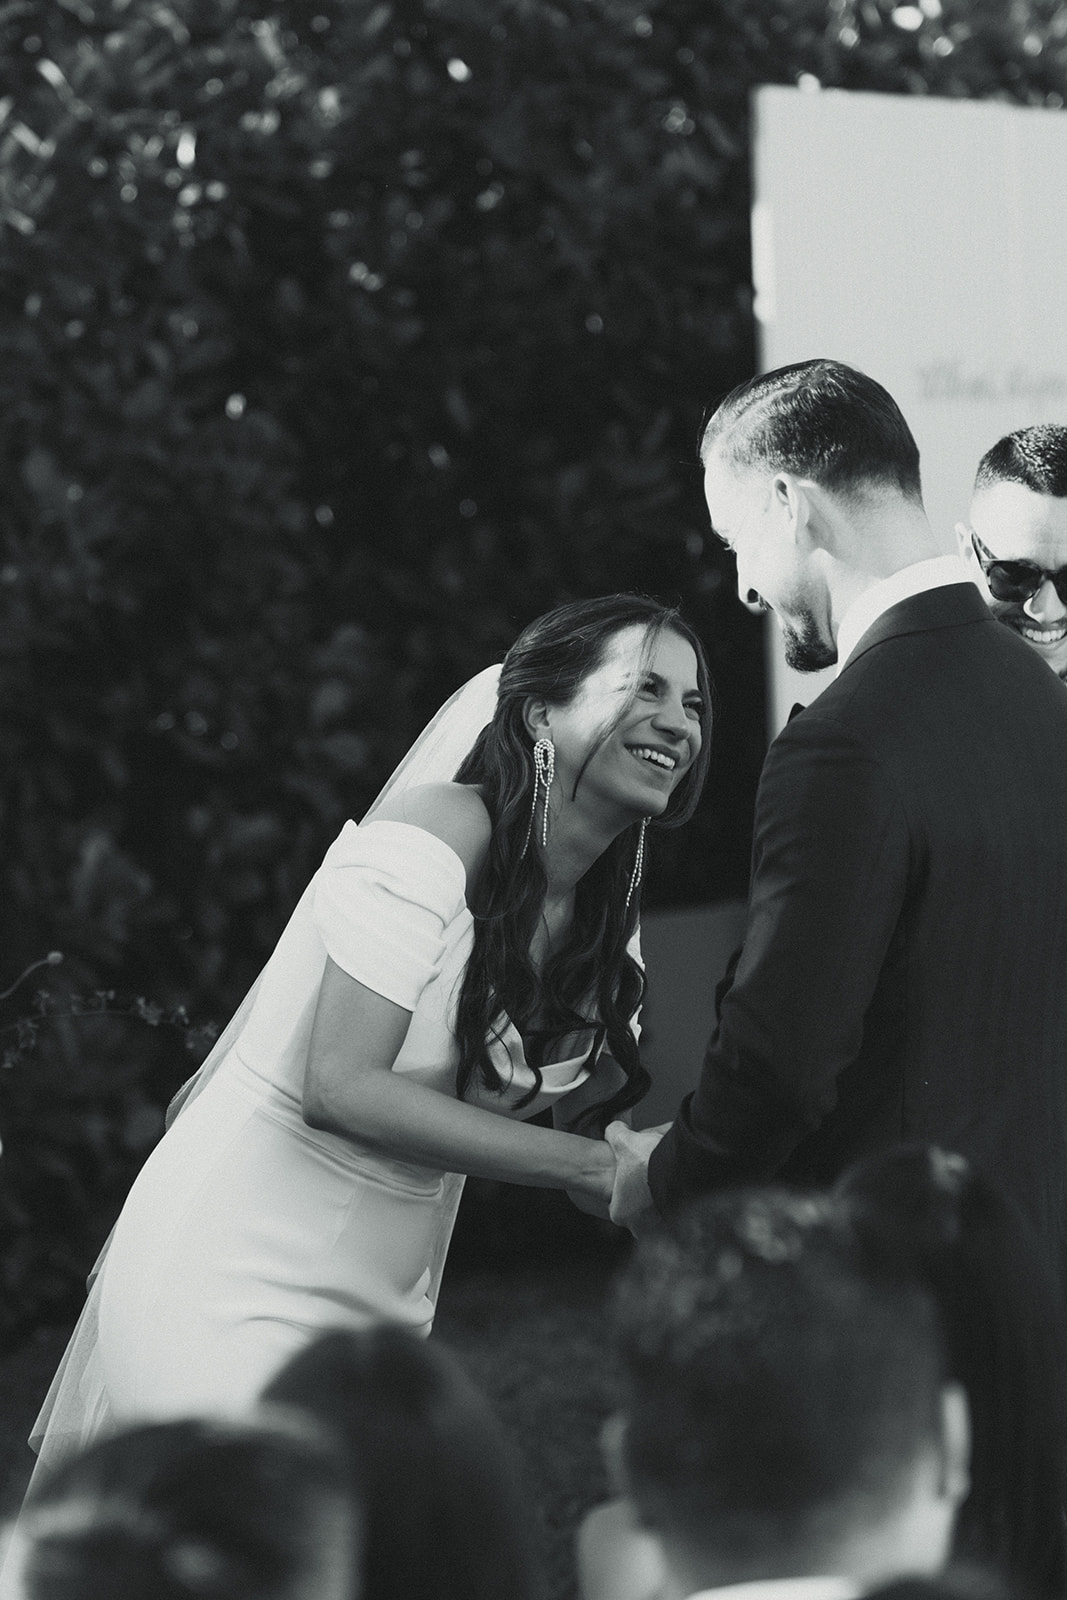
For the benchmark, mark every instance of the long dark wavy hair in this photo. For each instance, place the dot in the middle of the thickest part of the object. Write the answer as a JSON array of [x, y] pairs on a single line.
[[592, 979]]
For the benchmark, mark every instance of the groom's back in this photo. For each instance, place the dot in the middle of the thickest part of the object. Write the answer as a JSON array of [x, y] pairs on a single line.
[[965, 1041]]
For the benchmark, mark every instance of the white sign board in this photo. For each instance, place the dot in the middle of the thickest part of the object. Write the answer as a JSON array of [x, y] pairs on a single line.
[[925, 242]]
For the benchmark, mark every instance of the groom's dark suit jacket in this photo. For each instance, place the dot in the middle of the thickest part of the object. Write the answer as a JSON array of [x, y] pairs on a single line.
[[904, 970]]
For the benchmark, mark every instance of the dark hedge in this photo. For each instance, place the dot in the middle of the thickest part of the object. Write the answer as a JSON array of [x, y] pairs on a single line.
[[336, 341]]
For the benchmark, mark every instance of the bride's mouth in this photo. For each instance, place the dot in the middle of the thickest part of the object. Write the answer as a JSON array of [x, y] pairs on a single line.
[[649, 756]]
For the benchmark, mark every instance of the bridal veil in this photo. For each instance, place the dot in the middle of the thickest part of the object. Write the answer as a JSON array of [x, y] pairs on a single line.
[[76, 1406]]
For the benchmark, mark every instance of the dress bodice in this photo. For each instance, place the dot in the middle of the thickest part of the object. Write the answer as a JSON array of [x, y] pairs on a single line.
[[388, 905], [247, 1231]]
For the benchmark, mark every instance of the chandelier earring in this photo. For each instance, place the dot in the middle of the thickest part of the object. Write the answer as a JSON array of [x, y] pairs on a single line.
[[544, 761], [639, 864]]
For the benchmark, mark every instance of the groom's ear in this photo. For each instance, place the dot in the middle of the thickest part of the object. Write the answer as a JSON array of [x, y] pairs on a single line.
[[792, 497], [535, 716]]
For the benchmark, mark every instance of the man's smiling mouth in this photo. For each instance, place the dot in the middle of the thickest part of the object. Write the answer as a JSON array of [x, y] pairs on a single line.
[[1054, 634]]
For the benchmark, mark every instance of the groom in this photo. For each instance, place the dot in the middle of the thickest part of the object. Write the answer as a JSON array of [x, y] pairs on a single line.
[[904, 968]]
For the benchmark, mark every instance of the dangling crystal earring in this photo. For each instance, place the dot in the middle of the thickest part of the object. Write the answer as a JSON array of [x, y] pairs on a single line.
[[639, 864], [544, 760]]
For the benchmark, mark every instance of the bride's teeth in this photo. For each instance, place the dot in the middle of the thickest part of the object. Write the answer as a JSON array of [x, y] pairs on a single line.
[[657, 759]]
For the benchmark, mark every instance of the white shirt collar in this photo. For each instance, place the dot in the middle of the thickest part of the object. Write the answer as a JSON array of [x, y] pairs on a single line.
[[784, 1589], [937, 573]]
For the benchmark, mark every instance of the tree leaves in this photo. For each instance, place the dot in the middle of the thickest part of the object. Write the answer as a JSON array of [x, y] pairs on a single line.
[[336, 343]]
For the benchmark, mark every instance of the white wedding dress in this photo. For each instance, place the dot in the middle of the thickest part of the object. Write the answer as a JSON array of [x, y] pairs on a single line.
[[247, 1231]]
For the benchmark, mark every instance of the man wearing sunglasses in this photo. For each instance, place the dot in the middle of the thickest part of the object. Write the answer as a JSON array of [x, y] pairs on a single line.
[[1017, 536]]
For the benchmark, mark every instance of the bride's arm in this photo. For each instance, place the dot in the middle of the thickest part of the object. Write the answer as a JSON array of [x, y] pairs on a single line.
[[350, 1089]]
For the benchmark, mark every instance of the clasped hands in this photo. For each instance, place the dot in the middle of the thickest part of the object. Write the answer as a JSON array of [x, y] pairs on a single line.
[[621, 1193], [631, 1199]]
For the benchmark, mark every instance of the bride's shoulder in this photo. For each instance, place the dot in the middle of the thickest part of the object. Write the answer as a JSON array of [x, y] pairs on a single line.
[[455, 813]]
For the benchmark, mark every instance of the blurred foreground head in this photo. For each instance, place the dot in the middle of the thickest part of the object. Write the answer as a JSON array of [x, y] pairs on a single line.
[[1005, 1342], [195, 1511], [443, 1515], [785, 1412]]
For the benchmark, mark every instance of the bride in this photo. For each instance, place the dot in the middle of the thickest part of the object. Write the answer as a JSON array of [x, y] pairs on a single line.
[[462, 960]]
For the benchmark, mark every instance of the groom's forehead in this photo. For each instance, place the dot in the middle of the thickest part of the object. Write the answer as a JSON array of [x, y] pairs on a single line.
[[730, 494]]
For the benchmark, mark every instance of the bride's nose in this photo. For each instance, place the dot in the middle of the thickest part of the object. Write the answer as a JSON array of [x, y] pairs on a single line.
[[671, 718]]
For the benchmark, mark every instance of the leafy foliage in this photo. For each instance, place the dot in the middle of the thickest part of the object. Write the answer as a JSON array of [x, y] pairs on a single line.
[[338, 339]]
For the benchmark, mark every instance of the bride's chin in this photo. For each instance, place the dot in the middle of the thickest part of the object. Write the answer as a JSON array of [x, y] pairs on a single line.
[[635, 804], [652, 806]]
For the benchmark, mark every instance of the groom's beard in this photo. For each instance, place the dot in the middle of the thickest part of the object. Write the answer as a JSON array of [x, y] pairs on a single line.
[[805, 648]]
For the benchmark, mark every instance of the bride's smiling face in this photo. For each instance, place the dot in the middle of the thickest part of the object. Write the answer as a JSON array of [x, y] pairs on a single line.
[[634, 728]]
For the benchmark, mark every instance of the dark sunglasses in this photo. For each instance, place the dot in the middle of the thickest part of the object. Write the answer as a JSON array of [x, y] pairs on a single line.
[[1016, 580]]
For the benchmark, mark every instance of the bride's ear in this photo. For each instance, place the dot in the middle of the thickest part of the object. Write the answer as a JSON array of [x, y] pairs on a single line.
[[535, 717]]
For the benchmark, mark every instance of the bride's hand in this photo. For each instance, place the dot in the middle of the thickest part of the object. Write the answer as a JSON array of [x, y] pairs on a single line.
[[631, 1201], [595, 1194]]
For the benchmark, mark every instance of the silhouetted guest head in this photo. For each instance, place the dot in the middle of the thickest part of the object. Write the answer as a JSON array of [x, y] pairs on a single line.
[[800, 467], [195, 1511], [785, 1410], [443, 1514], [1017, 535], [1005, 1340]]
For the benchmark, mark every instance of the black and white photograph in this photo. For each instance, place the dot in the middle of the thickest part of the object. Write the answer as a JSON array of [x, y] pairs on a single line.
[[533, 802]]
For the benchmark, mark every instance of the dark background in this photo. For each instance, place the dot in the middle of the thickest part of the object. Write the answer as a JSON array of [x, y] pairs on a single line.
[[338, 340]]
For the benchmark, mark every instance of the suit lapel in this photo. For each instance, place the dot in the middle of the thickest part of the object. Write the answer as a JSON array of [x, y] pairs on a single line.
[[951, 606]]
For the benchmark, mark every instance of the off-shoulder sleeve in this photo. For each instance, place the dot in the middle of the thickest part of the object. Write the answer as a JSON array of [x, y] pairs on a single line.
[[383, 897]]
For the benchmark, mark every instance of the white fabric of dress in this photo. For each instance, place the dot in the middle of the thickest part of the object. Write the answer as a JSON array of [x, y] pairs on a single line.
[[247, 1231]]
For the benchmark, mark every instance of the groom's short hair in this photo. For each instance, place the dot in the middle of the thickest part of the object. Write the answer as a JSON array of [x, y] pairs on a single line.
[[781, 1384], [821, 420]]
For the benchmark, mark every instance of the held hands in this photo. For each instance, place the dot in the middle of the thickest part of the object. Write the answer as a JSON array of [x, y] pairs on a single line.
[[617, 1188], [631, 1199], [597, 1181]]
